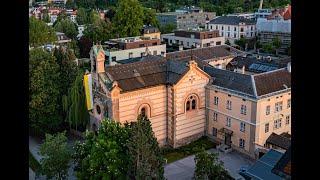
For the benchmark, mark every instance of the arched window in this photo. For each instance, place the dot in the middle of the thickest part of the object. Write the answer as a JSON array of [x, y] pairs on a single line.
[[188, 105], [193, 104], [191, 101], [143, 112], [98, 109]]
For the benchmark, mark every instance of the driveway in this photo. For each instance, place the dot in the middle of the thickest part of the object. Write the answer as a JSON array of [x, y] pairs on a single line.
[[184, 168]]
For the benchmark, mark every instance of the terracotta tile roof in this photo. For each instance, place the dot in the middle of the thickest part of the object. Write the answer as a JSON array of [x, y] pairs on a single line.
[[144, 74], [272, 81]]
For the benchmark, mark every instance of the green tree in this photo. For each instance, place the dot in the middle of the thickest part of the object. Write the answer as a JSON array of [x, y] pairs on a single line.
[[241, 42], [268, 47], [276, 42], [40, 33], [144, 152], [150, 17], [70, 4], [90, 4], [85, 44], [74, 104], [68, 27], [62, 15], [81, 16], [44, 91], [128, 20], [209, 167], [103, 156], [99, 30], [56, 156], [168, 28]]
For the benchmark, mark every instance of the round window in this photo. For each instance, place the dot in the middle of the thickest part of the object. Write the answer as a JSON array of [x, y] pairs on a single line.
[[98, 109]]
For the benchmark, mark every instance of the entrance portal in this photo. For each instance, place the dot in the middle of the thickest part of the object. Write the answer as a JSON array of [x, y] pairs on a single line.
[[227, 139]]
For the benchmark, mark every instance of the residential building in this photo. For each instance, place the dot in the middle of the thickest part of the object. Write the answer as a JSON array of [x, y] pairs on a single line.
[[151, 32], [187, 18], [217, 56], [62, 38], [247, 15], [233, 27], [120, 49], [276, 25], [262, 13], [254, 65], [265, 97], [280, 142], [80, 31], [193, 39]]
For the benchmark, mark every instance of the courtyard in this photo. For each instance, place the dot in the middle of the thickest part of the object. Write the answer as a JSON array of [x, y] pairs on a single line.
[[184, 168]]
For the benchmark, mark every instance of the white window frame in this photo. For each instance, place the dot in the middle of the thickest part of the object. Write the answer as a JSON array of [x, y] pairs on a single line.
[[215, 116], [229, 105], [243, 109], [241, 143], [288, 119], [228, 122], [216, 100], [268, 110], [242, 127], [278, 106], [266, 127]]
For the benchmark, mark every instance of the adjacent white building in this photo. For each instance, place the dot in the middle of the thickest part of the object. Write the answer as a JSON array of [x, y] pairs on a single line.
[[120, 49], [193, 39], [233, 27]]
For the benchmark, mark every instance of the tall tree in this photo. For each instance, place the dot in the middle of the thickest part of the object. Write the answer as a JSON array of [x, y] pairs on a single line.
[[128, 20], [56, 156], [209, 167], [146, 158], [90, 4], [44, 91], [40, 33], [85, 44], [103, 156], [150, 17], [81, 16], [68, 27], [74, 104], [276, 42], [98, 30]]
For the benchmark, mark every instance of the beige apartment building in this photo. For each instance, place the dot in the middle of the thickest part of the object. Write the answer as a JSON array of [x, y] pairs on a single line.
[[244, 110], [188, 98]]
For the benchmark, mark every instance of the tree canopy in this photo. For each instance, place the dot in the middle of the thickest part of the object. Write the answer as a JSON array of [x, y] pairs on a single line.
[[128, 20], [208, 166], [44, 91], [40, 33], [56, 156], [68, 27], [103, 156], [150, 17], [144, 152]]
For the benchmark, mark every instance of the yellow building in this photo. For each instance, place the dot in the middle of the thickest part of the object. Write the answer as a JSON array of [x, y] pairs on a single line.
[[188, 98]]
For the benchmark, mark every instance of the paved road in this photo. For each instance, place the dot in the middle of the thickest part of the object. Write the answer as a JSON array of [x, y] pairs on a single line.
[[183, 169]]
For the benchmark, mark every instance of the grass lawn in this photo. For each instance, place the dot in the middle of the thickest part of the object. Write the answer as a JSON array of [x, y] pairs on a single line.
[[33, 163], [175, 154]]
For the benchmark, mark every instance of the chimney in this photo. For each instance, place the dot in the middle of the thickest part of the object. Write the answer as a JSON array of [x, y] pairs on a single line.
[[289, 67], [261, 2], [243, 69]]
